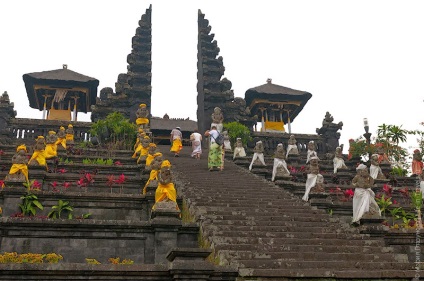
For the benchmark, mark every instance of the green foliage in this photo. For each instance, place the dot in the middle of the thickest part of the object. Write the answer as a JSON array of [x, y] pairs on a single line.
[[238, 130], [30, 204], [398, 171], [98, 161], [416, 199], [384, 203], [115, 131], [59, 208]]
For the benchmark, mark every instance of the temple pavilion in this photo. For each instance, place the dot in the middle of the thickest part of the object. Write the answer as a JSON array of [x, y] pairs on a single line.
[[275, 105], [61, 92]]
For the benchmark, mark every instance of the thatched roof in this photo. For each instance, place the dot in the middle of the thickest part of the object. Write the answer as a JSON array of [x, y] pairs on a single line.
[[60, 79], [276, 93]]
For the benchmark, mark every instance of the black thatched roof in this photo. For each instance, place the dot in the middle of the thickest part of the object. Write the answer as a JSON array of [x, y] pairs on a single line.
[[61, 79], [276, 93]]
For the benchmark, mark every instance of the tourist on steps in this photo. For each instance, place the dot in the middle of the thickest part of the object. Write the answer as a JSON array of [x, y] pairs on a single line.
[[215, 150], [196, 143], [176, 140]]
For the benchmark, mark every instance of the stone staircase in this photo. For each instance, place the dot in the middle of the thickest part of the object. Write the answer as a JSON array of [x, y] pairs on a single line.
[[269, 233]]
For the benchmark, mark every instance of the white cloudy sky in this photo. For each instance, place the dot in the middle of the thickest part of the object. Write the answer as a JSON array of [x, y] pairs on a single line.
[[357, 58]]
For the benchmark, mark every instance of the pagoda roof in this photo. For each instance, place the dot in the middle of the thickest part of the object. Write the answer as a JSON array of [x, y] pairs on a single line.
[[65, 79], [270, 93]]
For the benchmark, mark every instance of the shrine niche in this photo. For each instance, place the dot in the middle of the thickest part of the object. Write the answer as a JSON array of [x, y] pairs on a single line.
[[61, 92], [275, 105], [134, 87]]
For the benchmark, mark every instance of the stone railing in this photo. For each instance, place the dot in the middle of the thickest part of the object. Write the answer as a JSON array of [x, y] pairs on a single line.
[[26, 130]]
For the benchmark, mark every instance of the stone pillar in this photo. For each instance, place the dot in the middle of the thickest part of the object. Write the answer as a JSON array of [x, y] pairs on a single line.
[[189, 264], [7, 112]]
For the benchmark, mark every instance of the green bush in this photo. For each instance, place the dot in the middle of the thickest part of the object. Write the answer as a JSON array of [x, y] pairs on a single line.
[[238, 130]]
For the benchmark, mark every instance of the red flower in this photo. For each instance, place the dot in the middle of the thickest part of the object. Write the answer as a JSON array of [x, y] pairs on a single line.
[[404, 191], [118, 163], [1, 152], [121, 179], [348, 193], [2, 183], [36, 185], [62, 171], [110, 180], [81, 182], [89, 178], [394, 201], [388, 190], [66, 184]]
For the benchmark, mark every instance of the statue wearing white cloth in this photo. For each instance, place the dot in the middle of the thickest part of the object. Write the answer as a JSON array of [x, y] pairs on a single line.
[[338, 160], [363, 200], [280, 165], [292, 146], [314, 179], [258, 156], [239, 149], [375, 169]]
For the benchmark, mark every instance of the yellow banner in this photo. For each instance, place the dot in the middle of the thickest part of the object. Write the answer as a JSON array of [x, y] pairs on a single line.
[[275, 126]]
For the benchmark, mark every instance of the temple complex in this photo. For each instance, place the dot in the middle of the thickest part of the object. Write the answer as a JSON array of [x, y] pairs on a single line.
[[60, 92], [134, 87]]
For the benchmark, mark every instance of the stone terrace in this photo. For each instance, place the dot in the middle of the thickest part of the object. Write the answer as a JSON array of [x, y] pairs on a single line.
[[269, 233]]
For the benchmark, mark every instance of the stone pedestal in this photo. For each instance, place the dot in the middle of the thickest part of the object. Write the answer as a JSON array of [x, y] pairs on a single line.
[[373, 225], [189, 264]]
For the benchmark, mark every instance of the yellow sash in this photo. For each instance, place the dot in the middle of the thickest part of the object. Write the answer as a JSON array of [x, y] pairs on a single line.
[[23, 168]]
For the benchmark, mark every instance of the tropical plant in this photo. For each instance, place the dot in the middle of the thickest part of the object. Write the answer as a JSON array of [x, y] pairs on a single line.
[[416, 199], [115, 130], [30, 204], [57, 210], [238, 130], [384, 203]]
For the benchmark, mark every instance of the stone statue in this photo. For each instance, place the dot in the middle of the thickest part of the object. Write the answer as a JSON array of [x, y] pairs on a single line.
[[137, 146], [155, 167], [142, 114], [280, 165], [363, 200], [338, 160], [292, 146], [311, 151], [239, 149], [51, 146], [258, 156], [19, 170], [227, 142], [314, 181], [375, 169], [382, 156], [417, 162], [61, 138], [151, 154], [144, 149], [217, 119], [329, 132], [38, 158], [165, 193], [70, 135]]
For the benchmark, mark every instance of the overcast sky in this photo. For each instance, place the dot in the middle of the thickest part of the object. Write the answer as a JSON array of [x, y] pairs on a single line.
[[357, 58]]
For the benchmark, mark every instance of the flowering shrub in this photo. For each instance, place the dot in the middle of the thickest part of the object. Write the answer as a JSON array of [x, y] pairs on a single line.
[[342, 195]]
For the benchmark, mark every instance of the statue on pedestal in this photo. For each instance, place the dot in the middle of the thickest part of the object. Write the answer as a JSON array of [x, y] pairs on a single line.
[[19, 170], [375, 169], [151, 154], [280, 165], [217, 119], [61, 138], [38, 158], [70, 134], [292, 147], [363, 200], [314, 181], [227, 143], [165, 193], [239, 149], [155, 167], [51, 146], [311, 151], [258, 156], [417, 162], [338, 160], [142, 114]]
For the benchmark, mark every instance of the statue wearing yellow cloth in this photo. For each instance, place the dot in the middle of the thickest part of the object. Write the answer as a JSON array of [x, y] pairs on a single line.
[[137, 146], [38, 158], [154, 173], [166, 191], [142, 114], [143, 149], [19, 170], [70, 134], [51, 146], [61, 137], [151, 155]]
